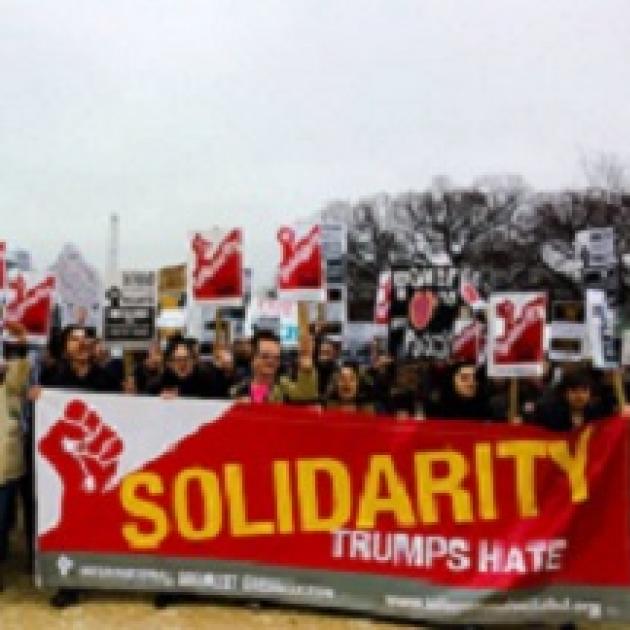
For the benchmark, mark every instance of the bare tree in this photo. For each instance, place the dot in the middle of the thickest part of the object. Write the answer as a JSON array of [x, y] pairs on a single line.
[[606, 171], [513, 237]]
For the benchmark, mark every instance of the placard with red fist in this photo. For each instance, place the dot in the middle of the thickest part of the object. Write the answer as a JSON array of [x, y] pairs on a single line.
[[29, 302], [215, 269], [301, 272], [516, 334]]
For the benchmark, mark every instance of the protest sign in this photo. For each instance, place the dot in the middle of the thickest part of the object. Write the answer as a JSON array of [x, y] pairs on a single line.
[[468, 341], [79, 289], [516, 329], [334, 252], [279, 316], [334, 239], [130, 311], [567, 333], [301, 271], [425, 304], [172, 297], [596, 253], [595, 247], [216, 267], [29, 301], [422, 521], [601, 322]]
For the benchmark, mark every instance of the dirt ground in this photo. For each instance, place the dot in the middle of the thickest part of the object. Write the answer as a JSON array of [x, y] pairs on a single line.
[[22, 607]]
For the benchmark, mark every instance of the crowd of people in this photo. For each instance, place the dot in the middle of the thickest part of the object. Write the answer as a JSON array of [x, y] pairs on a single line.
[[260, 370]]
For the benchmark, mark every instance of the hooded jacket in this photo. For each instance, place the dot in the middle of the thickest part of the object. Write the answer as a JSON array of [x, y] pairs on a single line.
[[12, 392]]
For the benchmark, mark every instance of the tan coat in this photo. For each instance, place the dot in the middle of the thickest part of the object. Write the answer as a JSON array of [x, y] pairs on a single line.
[[304, 389], [12, 393]]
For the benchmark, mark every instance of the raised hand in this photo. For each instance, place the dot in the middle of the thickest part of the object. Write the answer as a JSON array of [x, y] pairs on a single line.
[[306, 349]]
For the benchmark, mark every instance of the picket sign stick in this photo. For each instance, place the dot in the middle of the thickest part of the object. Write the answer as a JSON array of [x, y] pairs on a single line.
[[227, 339], [128, 363], [321, 312], [513, 404], [620, 393], [219, 340], [303, 319]]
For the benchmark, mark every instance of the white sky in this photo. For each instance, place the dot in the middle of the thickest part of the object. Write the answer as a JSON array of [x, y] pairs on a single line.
[[183, 114]]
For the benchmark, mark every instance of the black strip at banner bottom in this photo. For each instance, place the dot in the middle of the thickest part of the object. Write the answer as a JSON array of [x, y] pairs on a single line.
[[367, 594]]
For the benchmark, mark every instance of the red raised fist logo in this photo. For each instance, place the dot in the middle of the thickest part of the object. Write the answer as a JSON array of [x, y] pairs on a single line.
[[84, 450]]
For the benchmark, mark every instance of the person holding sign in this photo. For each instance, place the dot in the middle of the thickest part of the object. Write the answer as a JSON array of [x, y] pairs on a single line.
[[13, 386], [266, 385], [185, 378]]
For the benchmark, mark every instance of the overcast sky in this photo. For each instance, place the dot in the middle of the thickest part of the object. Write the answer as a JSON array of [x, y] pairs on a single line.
[[183, 114]]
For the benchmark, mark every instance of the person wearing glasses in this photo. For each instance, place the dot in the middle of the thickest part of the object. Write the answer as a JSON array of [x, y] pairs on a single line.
[[266, 384], [184, 377]]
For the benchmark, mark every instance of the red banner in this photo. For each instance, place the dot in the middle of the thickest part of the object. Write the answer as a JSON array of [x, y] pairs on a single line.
[[426, 505]]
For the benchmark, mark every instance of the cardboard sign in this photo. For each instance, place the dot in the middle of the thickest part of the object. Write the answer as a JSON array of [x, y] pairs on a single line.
[[172, 286], [29, 301], [79, 289], [130, 311], [216, 267], [601, 322], [425, 304], [567, 331], [301, 272], [516, 334]]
